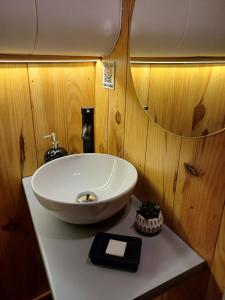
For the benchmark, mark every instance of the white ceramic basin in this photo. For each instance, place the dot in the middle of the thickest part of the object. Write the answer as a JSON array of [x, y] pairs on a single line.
[[84, 188]]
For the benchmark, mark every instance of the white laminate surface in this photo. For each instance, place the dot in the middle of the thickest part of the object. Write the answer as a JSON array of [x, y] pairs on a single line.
[[72, 276], [78, 28], [174, 28]]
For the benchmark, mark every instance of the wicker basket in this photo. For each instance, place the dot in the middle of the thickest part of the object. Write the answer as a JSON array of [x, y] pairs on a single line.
[[150, 226]]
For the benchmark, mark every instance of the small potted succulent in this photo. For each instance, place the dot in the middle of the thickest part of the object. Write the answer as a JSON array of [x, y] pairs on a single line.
[[149, 218]]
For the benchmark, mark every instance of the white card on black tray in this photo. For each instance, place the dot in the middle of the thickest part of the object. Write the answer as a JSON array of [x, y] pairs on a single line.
[[116, 248]]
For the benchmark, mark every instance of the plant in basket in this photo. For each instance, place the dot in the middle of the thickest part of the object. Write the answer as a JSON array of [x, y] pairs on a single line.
[[149, 218]]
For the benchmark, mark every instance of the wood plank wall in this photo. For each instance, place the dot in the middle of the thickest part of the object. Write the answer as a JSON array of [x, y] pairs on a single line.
[[34, 101], [193, 205], [38, 99], [57, 93]]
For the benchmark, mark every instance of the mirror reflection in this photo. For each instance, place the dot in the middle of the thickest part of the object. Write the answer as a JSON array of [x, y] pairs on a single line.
[[186, 98]]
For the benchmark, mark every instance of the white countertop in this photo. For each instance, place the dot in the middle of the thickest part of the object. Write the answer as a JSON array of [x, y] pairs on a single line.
[[165, 258]]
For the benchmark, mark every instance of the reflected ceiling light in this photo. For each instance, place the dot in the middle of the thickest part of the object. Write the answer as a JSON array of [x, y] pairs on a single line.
[[192, 61]]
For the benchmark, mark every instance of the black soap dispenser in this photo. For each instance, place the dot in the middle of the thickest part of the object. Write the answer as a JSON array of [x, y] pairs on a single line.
[[55, 151]]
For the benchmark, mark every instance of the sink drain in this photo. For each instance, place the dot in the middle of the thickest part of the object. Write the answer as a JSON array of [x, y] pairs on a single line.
[[86, 197]]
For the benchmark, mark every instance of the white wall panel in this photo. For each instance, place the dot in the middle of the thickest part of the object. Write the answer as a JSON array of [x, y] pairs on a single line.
[[77, 27], [173, 28], [17, 26]]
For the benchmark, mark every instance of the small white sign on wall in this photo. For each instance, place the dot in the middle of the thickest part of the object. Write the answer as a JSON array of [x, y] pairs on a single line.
[[109, 74]]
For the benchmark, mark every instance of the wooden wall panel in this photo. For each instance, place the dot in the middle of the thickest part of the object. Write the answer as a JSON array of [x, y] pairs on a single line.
[[16, 119], [136, 130], [111, 104], [117, 97], [217, 280], [21, 275], [199, 198], [101, 112], [79, 92], [156, 154], [34, 101], [57, 94], [161, 168]]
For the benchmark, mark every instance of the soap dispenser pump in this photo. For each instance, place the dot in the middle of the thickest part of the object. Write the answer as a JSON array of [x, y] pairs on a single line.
[[55, 151]]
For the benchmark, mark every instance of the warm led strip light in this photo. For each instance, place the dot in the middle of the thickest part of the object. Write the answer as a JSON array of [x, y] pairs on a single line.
[[47, 60], [214, 62]]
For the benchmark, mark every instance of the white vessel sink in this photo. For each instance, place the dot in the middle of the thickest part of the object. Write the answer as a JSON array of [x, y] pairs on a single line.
[[84, 188]]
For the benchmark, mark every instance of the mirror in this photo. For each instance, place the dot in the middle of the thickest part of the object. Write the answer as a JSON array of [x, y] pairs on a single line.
[[184, 96]]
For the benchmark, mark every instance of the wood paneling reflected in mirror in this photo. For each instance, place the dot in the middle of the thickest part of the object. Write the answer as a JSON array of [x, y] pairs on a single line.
[[186, 99], [178, 64]]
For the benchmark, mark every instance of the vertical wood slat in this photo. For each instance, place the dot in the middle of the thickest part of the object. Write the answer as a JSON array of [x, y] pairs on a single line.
[[217, 279], [80, 92], [110, 104], [48, 103], [136, 125], [19, 254], [161, 168], [117, 97], [138, 130], [199, 199], [57, 94], [17, 137], [101, 112]]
